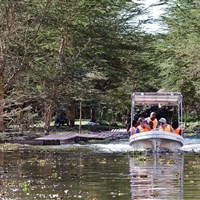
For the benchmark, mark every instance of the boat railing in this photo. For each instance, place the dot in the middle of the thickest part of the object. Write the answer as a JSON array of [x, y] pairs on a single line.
[[155, 129]]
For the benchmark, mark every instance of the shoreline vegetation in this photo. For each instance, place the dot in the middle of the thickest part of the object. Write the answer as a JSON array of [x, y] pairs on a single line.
[[16, 140]]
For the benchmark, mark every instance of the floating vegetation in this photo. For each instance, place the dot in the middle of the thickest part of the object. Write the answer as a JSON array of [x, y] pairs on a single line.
[[143, 176], [136, 153], [9, 147]]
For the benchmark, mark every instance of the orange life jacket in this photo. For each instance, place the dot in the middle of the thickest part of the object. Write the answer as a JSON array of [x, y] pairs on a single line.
[[141, 130], [167, 128], [178, 131], [155, 122]]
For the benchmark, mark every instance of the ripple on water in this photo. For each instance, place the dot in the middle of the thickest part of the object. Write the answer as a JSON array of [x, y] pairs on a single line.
[[190, 145]]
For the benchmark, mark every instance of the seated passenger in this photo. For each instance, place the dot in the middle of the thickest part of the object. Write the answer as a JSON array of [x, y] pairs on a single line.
[[153, 119], [143, 126], [133, 129], [151, 125], [164, 126], [176, 128]]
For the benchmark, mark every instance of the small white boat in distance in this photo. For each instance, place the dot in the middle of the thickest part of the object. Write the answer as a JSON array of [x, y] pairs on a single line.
[[155, 139]]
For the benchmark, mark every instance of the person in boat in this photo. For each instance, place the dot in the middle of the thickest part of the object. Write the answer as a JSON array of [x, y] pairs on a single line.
[[132, 130], [153, 119], [143, 126], [151, 124], [164, 126], [176, 128]]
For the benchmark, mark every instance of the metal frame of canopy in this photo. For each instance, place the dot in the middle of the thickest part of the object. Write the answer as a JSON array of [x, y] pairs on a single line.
[[157, 98]]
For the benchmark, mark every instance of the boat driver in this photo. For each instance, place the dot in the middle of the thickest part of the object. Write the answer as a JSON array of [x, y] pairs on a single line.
[[164, 126], [153, 119], [143, 126]]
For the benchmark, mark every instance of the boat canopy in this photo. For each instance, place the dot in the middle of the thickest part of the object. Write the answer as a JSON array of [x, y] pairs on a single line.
[[156, 98]]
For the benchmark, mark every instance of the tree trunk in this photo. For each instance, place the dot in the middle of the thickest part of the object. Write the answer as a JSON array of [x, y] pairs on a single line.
[[1, 100], [47, 117], [20, 116], [72, 113], [93, 117]]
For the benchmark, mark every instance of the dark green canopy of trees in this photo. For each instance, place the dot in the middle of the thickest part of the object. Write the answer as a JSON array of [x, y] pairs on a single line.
[[55, 54]]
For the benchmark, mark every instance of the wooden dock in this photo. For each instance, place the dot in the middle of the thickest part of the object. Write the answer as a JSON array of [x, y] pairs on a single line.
[[70, 137]]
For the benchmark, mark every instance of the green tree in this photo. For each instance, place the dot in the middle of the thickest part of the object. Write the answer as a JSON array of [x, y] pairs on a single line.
[[57, 52], [16, 44], [177, 51]]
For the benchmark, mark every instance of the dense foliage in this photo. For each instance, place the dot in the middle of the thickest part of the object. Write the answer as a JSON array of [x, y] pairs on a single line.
[[56, 54], [178, 52]]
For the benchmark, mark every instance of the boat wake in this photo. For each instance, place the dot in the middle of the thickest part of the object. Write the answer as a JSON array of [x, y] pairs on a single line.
[[112, 147], [190, 145], [191, 148], [122, 146]]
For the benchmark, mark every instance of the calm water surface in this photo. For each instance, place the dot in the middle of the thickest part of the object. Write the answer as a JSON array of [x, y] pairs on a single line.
[[100, 172]]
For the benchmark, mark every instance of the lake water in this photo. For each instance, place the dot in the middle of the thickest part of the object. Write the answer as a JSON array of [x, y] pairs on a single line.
[[101, 171]]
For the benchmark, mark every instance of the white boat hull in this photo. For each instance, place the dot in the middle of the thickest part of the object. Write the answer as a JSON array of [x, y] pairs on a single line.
[[156, 140]]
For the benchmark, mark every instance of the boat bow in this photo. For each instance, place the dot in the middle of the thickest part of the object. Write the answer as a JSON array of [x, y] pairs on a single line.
[[156, 140]]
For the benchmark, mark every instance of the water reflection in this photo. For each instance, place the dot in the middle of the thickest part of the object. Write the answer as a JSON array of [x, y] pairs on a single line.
[[64, 176], [98, 172], [157, 176]]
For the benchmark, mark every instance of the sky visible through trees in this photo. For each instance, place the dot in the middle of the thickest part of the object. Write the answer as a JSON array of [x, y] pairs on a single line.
[[154, 11]]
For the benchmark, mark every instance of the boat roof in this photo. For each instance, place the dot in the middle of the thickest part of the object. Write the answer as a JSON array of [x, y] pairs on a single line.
[[155, 98]]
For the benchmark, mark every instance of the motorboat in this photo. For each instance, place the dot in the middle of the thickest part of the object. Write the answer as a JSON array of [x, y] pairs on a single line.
[[156, 139]]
